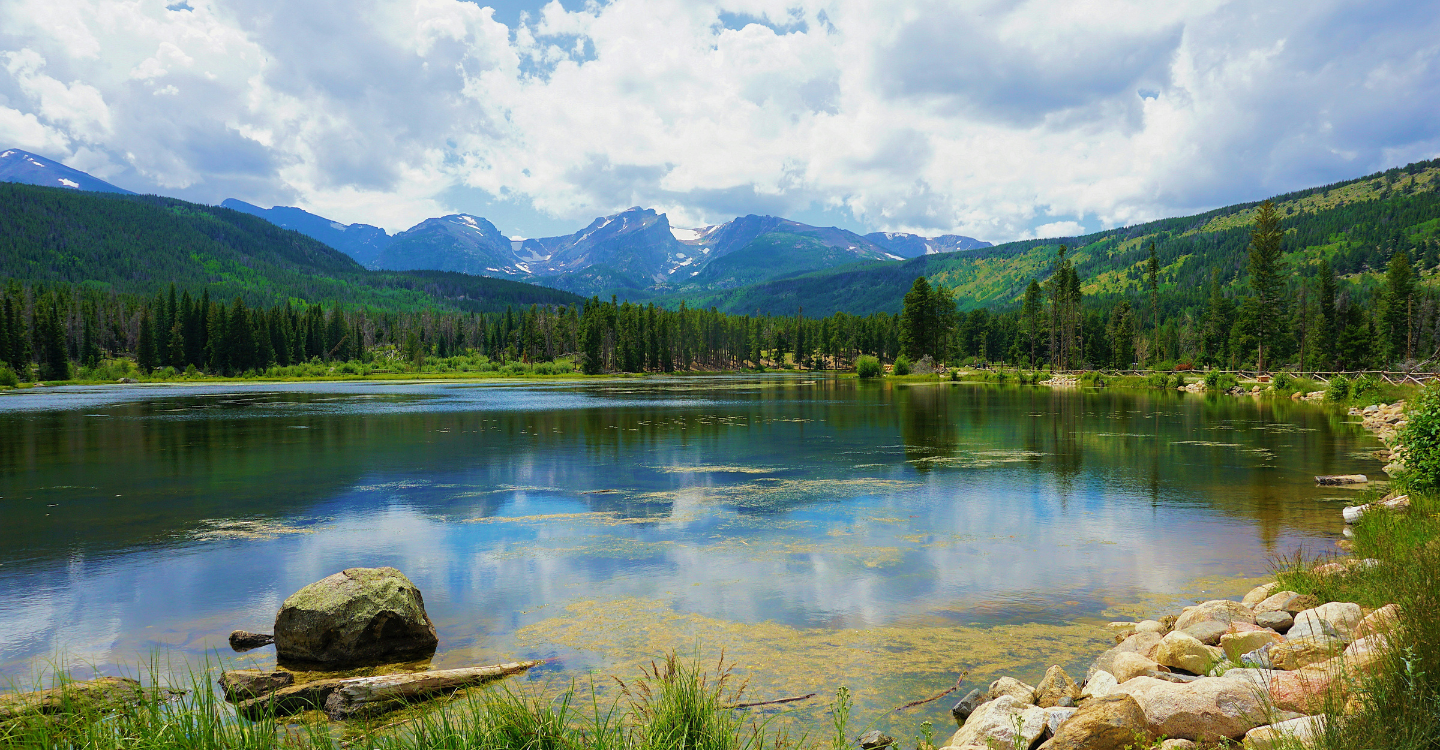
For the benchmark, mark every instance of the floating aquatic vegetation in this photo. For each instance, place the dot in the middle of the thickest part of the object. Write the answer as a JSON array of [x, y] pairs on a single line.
[[716, 469], [979, 459], [259, 529], [593, 518], [884, 666]]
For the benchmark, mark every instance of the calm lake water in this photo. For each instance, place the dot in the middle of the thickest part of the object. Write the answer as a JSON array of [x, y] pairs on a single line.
[[822, 532]]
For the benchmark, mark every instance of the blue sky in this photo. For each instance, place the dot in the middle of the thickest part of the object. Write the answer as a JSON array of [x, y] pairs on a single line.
[[996, 119]]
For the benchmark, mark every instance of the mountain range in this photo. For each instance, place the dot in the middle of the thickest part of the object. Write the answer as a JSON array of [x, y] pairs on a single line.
[[636, 252]]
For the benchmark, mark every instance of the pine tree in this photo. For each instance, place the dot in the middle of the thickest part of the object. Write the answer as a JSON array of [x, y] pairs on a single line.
[[1327, 330], [176, 352], [145, 354], [1219, 318], [1397, 335], [918, 320], [1267, 283], [1152, 268], [1031, 313]]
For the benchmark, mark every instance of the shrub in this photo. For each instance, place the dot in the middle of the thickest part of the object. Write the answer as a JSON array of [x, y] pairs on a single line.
[[8, 377], [1089, 377], [1284, 381], [1338, 390], [1421, 438], [1219, 381], [1000, 376], [1157, 380], [902, 365], [1365, 386], [867, 366]]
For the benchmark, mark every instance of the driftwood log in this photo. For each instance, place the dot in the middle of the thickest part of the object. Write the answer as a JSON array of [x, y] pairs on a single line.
[[349, 697], [1342, 479]]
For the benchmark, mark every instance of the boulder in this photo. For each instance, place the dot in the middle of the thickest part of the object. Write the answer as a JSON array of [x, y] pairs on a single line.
[[1286, 735], [1208, 632], [1142, 643], [1279, 621], [1382, 620], [1260, 658], [1257, 678], [1056, 716], [1177, 745], [240, 684], [1287, 601], [1304, 690], [1217, 610], [997, 722], [1151, 626], [1128, 666], [1181, 650], [1114, 722], [1333, 619], [1236, 645], [1098, 686], [1009, 686], [1055, 686], [1208, 709], [1365, 654], [357, 616], [967, 705], [875, 739], [1259, 594], [1295, 653]]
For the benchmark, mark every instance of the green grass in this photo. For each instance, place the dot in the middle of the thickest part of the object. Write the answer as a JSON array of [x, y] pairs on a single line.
[[676, 704], [1400, 703]]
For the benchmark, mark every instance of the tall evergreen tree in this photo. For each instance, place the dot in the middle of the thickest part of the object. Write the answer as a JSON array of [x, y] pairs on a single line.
[[1327, 327], [1152, 268], [146, 355], [1031, 311], [1398, 301], [918, 320], [1267, 282]]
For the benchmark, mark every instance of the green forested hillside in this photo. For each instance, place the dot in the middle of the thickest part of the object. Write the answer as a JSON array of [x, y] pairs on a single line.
[[143, 244], [1356, 225]]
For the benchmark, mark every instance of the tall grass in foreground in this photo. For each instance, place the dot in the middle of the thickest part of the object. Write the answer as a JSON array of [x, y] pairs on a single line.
[[674, 705], [1398, 705]]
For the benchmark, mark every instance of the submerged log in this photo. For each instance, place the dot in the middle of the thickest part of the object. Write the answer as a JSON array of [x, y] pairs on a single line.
[[367, 696], [346, 697], [1342, 479]]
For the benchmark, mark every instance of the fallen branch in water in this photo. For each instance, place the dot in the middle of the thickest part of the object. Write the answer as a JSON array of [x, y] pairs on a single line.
[[777, 701], [344, 698], [933, 698]]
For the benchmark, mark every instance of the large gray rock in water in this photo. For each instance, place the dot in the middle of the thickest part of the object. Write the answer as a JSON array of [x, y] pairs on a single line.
[[357, 616]]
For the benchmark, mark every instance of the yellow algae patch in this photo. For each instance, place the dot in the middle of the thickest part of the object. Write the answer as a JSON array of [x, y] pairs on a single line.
[[216, 529], [883, 666], [1151, 605], [716, 469], [596, 518]]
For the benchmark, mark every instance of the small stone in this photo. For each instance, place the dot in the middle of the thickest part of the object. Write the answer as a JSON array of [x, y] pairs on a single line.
[[1143, 644], [1236, 645], [967, 705], [1259, 658], [243, 640], [1065, 702], [1287, 601], [1382, 620], [1295, 653], [1208, 632], [1177, 745], [1056, 716], [1217, 610], [1099, 685], [1114, 722], [874, 739], [1259, 594], [1301, 732], [1056, 685], [1129, 666], [997, 722], [1009, 686], [1279, 621], [1181, 650]]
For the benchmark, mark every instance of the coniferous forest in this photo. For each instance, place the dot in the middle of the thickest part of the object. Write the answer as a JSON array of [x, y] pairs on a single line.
[[167, 284]]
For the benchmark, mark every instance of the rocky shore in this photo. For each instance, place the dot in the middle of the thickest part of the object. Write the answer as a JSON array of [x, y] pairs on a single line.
[[1261, 671]]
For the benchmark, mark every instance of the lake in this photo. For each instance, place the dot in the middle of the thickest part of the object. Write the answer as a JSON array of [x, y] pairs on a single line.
[[821, 531]]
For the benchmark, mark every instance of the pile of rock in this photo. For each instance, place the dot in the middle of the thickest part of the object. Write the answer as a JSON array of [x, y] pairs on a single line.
[[1386, 421], [1257, 670], [1061, 381], [1195, 387]]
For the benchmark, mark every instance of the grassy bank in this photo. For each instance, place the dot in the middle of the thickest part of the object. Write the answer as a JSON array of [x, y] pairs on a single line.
[[675, 704]]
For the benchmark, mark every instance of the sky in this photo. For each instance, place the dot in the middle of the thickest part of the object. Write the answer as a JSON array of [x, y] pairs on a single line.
[[997, 120]]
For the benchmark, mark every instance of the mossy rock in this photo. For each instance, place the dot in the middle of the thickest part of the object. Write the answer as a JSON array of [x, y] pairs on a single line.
[[355, 617]]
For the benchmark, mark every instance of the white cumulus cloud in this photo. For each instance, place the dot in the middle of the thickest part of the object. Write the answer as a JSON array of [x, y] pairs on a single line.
[[993, 118]]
